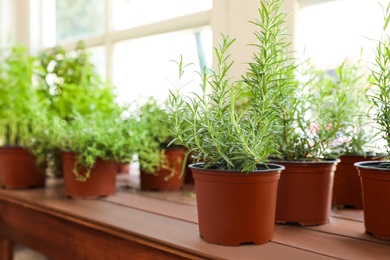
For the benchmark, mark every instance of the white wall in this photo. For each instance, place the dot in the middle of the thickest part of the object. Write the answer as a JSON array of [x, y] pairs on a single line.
[[231, 17], [19, 23]]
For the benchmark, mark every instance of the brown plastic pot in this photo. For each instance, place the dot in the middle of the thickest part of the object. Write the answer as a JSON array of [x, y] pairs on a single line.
[[305, 192], [19, 170], [166, 179], [101, 183], [347, 190], [234, 207], [376, 198], [188, 177], [123, 168]]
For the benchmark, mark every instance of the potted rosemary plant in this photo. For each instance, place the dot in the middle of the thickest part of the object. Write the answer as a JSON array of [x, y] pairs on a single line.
[[312, 116], [235, 186], [355, 141], [18, 104], [375, 175], [160, 166]]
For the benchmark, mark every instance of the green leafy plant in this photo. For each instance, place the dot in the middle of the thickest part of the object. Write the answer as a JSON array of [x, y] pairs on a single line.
[[153, 135], [273, 74], [127, 127], [72, 89], [71, 84], [319, 110], [40, 142], [93, 137], [311, 107], [18, 96], [380, 95], [221, 132], [357, 134]]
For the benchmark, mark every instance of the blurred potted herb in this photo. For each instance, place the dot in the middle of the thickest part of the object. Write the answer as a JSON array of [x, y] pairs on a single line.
[[160, 165], [375, 175], [18, 166], [355, 140], [312, 118], [130, 132], [91, 148], [234, 144], [71, 85]]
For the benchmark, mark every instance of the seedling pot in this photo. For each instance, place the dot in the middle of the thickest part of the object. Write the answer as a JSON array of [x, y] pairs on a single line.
[[123, 168], [347, 190], [19, 170], [101, 183], [305, 192], [234, 207], [375, 182], [166, 179]]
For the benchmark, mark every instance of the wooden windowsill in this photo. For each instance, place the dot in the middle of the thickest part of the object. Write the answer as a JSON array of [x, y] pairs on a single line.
[[161, 224]]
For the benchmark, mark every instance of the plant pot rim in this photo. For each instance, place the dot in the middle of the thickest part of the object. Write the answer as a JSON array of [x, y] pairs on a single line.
[[172, 146], [266, 167], [321, 161], [372, 165], [12, 147], [360, 155]]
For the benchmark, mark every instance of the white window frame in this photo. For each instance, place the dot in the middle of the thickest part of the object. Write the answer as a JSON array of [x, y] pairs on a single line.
[[229, 17]]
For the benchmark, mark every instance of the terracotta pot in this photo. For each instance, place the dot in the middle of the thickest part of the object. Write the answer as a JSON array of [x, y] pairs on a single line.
[[166, 179], [347, 191], [102, 181], [376, 198], [305, 192], [123, 168], [19, 170], [236, 207], [188, 177]]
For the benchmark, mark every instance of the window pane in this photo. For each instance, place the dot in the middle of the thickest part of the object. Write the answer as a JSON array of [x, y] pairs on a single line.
[[75, 19], [143, 66], [330, 32], [131, 13], [98, 58]]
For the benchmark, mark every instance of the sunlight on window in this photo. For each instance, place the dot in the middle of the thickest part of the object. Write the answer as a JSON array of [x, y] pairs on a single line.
[[330, 32], [81, 18], [98, 58], [132, 13], [144, 67]]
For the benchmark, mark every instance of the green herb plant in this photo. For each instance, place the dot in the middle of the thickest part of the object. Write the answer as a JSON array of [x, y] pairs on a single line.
[[93, 137], [272, 74], [153, 135], [221, 132], [71, 88], [18, 96], [320, 110], [71, 84], [129, 130], [358, 132], [380, 72], [40, 142]]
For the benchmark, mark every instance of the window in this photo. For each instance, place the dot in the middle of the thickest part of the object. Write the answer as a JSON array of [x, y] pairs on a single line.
[[131, 43], [143, 66], [331, 31], [78, 19], [116, 31], [132, 13]]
